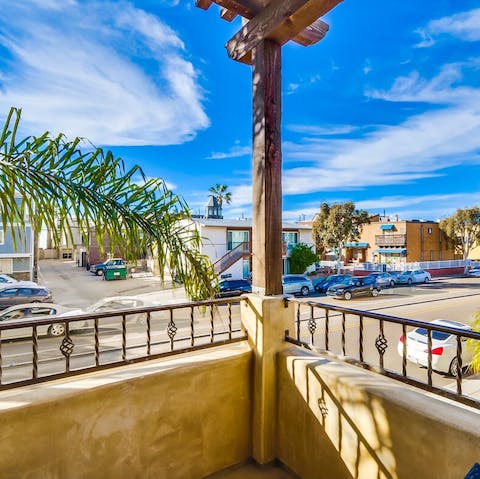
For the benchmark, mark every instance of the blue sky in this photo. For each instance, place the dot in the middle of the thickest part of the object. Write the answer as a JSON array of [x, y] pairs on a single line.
[[384, 112]]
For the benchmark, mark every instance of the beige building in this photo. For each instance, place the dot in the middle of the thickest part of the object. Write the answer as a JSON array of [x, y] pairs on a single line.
[[399, 241]]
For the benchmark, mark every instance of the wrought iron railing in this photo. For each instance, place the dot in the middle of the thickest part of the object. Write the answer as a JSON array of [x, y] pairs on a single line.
[[365, 338], [90, 342]]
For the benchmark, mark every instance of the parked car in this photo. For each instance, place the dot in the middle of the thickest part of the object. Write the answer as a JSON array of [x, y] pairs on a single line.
[[297, 284], [414, 276], [354, 287], [323, 284], [474, 272], [233, 287], [444, 347], [383, 279], [7, 280], [100, 268], [117, 303], [11, 295], [33, 311]]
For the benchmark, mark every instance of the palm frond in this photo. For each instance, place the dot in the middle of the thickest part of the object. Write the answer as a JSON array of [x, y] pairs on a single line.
[[51, 183]]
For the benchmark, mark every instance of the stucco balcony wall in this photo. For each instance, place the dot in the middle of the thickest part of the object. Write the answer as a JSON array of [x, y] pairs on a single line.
[[339, 421], [179, 418]]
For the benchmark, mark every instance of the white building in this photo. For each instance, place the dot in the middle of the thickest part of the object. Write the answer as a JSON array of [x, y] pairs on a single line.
[[227, 243]]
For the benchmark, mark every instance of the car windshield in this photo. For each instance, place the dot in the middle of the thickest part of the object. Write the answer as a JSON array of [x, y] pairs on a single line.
[[438, 335], [406, 273]]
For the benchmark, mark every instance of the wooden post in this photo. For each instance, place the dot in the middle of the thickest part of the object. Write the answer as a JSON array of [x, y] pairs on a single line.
[[267, 169]]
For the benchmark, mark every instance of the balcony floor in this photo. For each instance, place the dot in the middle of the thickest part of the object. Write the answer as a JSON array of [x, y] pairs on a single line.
[[253, 471]]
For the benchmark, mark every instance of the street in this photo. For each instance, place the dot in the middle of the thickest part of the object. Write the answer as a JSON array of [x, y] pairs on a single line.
[[449, 298]]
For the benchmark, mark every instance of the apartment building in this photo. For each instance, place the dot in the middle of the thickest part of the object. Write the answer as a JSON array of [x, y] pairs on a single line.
[[399, 241]]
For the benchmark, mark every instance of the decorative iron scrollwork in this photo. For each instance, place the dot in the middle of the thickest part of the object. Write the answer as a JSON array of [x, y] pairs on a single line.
[[67, 346], [312, 325], [381, 344], [323, 407], [171, 329]]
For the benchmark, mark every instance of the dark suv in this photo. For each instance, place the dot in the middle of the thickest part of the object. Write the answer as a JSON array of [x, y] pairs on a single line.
[[233, 287], [322, 284], [355, 287]]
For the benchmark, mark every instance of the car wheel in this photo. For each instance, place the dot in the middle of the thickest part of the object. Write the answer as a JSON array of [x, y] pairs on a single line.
[[454, 369], [347, 295], [426, 280], [57, 329], [375, 292], [304, 291], [409, 281]]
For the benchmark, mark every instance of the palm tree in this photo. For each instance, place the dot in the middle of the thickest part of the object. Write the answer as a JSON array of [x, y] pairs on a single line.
[[221, 194], [50, 182]]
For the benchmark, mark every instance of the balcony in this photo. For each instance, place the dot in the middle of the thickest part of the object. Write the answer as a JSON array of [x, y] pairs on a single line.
[[390, 240], [258, 394]]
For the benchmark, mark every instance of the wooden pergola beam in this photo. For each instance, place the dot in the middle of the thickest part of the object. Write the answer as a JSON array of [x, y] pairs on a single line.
[[227, 14], [279, 21]]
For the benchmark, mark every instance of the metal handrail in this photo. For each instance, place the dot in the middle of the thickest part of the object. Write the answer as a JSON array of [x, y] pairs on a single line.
[[99, 342], [307, 337]]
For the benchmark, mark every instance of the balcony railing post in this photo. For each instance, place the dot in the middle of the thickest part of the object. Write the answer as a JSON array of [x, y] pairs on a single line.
[[266, 318]]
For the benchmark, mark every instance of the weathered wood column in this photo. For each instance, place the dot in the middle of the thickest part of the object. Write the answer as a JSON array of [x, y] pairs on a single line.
[[267, 169]]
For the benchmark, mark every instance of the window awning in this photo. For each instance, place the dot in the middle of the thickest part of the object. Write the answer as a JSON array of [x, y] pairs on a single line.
[[391, 250], [355, 244], [387, 227]]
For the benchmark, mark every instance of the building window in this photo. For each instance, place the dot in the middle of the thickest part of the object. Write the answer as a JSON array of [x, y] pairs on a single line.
[[290, 237], [429, 231], [432, 255], [235, 238]]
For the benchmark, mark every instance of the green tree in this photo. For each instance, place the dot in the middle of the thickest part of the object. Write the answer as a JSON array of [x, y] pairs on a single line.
[[301, 257], [337, 224], [49, 182], [221, 194], [462, 230]]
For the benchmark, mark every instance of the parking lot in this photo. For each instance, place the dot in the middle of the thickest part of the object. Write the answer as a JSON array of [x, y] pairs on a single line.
[[76, 287]]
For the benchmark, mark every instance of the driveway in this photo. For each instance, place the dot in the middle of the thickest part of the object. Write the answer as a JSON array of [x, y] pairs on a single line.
[[76, 287]]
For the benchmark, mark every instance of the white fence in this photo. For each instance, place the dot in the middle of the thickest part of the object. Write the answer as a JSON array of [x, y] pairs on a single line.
[[334, 265]]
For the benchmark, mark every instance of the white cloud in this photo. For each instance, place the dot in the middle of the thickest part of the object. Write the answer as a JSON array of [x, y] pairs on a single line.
[[439, 89], [234, 152], [324, 130], [464, 25], [89, 81]]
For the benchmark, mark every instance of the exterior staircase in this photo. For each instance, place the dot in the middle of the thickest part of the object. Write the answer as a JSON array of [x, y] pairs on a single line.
[[242, 250]]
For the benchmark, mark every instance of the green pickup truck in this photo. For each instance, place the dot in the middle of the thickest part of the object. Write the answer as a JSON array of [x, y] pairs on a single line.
[[100, 268]]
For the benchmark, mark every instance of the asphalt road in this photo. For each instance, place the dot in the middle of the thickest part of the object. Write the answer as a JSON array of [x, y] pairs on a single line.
[[450, 298], [76, 287], [456, 299]]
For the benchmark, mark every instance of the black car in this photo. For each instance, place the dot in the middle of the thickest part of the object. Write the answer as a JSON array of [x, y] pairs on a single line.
[[323, 284], [233, 287], [354, 287]]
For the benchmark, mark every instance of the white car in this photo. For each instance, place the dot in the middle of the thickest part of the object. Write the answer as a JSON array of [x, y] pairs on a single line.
[[33, 311], [444, 347], [414, 276], [297, 284]]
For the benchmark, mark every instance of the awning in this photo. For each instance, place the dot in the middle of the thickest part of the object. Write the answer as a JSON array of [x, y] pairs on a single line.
[[355, 244], [387, 227], [391, 250]]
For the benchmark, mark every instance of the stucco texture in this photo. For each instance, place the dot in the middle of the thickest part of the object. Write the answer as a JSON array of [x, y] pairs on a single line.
[[172, 419], [339, 421]]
